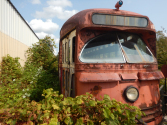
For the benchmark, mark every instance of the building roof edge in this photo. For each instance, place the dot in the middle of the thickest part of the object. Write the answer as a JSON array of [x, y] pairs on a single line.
[[22, 17]]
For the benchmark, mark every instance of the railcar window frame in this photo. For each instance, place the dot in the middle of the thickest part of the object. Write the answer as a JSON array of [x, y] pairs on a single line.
[[124, 54]]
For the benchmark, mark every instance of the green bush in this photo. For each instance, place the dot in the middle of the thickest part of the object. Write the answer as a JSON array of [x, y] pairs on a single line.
[[54, 109], [10, 69], [40, 71]]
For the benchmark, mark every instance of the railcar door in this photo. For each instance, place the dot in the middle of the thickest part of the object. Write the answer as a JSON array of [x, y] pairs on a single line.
[[68, 78]]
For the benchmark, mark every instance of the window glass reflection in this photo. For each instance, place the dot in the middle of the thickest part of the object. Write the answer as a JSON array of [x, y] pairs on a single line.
[[135, 49], [103, 49]]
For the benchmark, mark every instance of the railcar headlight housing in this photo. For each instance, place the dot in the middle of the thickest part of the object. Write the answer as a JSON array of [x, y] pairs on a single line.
[[131, 94]]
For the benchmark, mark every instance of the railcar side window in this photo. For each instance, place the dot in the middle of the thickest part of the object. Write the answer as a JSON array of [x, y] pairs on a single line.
[[63, 53], [69, 50], [67, 80], [63, 79], [103, 49], [73, 49], [66, 49], [72, 94]]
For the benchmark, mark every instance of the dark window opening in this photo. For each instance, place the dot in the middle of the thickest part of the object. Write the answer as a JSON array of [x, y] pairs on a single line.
[[63, 54], [73, 86], [63, 80], [67, 81], [69, 50], [73, 49]]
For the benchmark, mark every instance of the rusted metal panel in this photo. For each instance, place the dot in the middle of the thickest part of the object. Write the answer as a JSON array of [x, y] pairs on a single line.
[[150, 75], [99, 77], [127, 76], [164, 70], [83, 19], [151, 113], [115, 67]]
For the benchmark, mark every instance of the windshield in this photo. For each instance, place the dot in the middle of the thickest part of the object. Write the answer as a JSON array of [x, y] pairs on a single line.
[[116, 48], [103, 49], [135, 50]]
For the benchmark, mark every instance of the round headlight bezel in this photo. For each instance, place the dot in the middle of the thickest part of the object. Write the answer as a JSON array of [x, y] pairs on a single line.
[[126, 91]]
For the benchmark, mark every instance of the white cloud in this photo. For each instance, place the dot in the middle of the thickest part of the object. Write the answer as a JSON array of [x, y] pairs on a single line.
[[39, 26], [55, 51], [35, 1], [41, 35], [56, 9]]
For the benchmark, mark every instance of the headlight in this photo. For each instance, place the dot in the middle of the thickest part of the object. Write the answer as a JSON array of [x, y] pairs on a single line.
[[131, 93]]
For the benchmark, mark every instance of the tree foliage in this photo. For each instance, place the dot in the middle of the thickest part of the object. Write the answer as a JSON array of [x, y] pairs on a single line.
[[42, 54], [42, 64], [10, 69], [161, 48]]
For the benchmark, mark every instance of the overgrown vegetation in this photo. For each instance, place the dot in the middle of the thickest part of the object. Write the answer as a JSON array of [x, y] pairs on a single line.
[[10, 69], [42, 64], [54, 109], [29, 95], [161, 48]]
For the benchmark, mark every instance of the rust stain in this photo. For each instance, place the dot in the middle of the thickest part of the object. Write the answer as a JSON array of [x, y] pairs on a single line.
[[116, 67], [95, 90]]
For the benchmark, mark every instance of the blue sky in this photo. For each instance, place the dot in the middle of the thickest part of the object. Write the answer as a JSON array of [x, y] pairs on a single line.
[[46, 17]]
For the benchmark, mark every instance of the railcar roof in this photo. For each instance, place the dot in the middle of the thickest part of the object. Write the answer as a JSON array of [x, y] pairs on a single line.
[[83, 18]]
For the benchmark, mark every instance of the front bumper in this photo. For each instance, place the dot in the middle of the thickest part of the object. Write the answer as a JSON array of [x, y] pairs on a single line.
[[153, 115]]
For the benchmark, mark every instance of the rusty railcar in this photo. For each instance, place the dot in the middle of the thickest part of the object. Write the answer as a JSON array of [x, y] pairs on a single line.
[[111, 51]]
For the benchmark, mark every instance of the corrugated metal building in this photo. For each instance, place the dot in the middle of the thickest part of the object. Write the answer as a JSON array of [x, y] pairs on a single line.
[[15, 34]]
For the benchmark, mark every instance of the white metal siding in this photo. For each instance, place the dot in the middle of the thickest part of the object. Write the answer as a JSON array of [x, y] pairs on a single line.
[[13, 25], [15, 35]]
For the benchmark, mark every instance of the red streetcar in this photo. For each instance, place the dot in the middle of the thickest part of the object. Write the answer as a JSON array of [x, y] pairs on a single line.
[[113, 52]]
